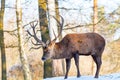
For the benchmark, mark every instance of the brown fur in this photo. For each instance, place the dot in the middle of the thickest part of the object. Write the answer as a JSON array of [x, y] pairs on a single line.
[[73, 45]]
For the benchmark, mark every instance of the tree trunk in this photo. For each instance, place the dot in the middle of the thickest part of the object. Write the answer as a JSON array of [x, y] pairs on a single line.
[[58, 18], [52, 25], [45, 35], [95, 16], [23, 57], [2, 46], [95, 29]]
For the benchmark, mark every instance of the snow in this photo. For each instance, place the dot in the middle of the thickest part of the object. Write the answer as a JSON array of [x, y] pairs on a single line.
[[115, 76], [116, 34]]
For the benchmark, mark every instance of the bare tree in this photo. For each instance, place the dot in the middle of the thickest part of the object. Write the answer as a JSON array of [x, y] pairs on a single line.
[[52, 25], [95, 16], [2, 45], [45, 35], [23, 57], [95, 21]]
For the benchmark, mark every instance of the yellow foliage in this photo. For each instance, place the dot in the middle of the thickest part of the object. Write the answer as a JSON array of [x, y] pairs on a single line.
[[42, 4]]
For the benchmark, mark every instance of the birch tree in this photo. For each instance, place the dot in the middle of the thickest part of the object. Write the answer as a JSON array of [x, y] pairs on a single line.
[[2, 46], [23, 58], [52, 25]]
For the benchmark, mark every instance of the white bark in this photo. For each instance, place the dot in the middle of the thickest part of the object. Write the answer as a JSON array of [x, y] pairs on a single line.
[[52, 25], [23, 57]]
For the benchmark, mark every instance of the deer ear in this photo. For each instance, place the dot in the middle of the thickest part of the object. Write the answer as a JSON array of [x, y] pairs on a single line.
[[47, 42]]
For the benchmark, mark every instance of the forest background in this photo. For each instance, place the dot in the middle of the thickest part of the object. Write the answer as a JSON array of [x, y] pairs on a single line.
[[78, 18]]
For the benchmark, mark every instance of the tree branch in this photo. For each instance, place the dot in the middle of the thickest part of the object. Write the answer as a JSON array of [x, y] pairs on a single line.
[[82, 25]]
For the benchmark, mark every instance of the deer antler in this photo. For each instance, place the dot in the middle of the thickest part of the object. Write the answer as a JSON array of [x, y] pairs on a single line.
[[38, 41], [59, 25]]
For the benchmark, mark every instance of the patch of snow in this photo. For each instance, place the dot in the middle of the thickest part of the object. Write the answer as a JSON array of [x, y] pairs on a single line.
[[115, 76], [117, 34]]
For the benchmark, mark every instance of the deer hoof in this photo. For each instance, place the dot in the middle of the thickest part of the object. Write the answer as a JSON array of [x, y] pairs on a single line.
[[96, 77], [78, 76]]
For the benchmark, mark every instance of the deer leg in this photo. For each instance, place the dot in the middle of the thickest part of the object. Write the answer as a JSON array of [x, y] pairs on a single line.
[[68, 62], [76, 58], [98, 62]]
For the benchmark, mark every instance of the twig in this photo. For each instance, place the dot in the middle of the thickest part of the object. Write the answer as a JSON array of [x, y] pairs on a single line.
[[83, 25]]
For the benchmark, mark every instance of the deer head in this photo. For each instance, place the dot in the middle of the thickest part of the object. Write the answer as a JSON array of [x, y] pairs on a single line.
[[49, 45]]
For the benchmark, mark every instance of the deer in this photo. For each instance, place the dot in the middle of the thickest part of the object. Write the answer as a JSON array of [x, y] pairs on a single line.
[[72, 46]]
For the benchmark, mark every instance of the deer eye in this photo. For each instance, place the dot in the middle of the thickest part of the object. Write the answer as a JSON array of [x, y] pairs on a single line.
[[45, 47]]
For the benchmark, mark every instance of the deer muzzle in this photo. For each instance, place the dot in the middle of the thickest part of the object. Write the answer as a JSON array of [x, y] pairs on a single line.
[[43, 59]]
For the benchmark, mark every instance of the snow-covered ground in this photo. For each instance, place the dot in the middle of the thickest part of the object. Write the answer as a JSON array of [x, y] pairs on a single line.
[[115, 76]]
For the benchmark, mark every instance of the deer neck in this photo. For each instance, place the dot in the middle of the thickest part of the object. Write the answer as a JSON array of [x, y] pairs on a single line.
[[57, 51]]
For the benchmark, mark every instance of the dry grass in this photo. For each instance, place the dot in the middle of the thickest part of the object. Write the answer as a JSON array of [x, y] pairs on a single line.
[[36, 68]]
